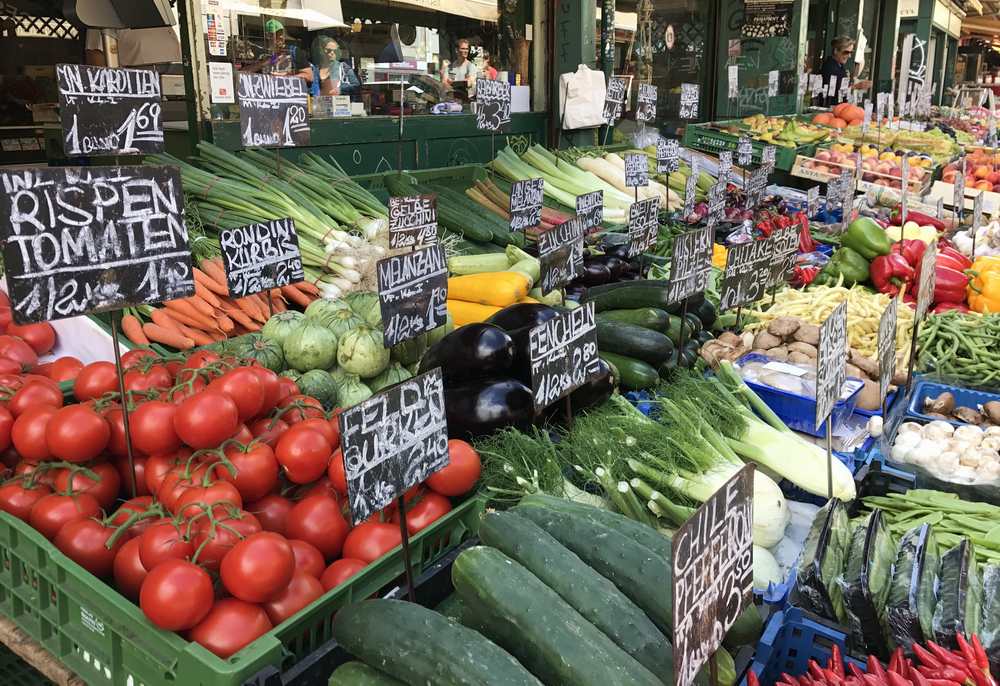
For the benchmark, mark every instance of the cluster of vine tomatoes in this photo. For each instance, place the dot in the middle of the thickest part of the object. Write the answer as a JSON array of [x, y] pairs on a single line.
[[238, 479]]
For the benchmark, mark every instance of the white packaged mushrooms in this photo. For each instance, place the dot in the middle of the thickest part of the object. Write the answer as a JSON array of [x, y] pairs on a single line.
[[965, 454]]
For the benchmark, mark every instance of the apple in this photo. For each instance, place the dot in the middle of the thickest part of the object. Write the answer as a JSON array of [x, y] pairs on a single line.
[[823, 155]]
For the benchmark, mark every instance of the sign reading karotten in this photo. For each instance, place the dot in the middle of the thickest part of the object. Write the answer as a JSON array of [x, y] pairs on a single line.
[[412, 221], [273, 111], [563, 354], [259, 257], [412, 293]]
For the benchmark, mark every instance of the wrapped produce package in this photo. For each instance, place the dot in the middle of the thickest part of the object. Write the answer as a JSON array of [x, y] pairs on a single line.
[[822, 561], [910, 608], [960, 594], [865, 584], [989, 623]]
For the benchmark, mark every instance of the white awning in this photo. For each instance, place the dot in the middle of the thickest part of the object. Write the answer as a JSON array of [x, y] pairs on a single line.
[[483, 10], [315, 14]]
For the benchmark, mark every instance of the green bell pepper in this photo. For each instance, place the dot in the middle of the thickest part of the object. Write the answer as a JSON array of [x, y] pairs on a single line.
[[847, 266], [867, 238]]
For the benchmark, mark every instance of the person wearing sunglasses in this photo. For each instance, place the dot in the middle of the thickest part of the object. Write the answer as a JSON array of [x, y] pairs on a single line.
[[834, 70]]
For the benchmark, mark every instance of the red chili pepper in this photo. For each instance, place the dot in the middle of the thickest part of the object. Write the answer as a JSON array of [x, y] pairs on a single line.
[[832, 678], [981, 659], [752, 679], [925, 657], [945, 656], [967, 653], [872, 680], [942, 682], [816, 672], [895, 679], [838, 660], [918, 217], [804, 680], [788, 678], [875, 667], [855, 670], [917, 678], [896, 662], [949, 673]]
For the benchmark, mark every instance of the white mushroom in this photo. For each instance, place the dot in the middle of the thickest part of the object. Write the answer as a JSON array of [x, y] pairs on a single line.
[[947, 463], [992, 431], [970, 458], [989, 472], [925, 453], [968, 432], [966, 475], [908, 427], [990, 442], [901, 451], [938, 429]]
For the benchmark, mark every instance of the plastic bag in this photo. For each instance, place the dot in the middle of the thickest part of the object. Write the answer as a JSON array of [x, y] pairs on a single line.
[[910, 607], [581, 98], [989, 622], [822, 561], [960, 594], [865, 584]]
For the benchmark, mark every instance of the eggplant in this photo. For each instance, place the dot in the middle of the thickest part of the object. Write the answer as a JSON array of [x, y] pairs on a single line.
[[614, 264], [594, 273], [591, 394], [473, 351], [576, 291], [478, 408], [522, 315]]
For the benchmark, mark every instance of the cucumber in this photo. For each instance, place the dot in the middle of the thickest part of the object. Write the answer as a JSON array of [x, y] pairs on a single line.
[[359, 674], [646, 317], [693, 322], [637, 571], [629, 297], [673, 329], [632, 374], [641, 283], [528, 618], [633, 341], [418, 645]]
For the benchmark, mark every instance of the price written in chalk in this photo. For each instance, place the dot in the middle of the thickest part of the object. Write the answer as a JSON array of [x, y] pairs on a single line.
[[412, 293], [690, 264], [563, 354], [748, 269], [643, 226], [412, 221], [273, 111], [831, 362], [526, 204], [560, 254], [645, 110], [614, 100], [636, 170], [887, 347], [668, 153], [590, 209], [492, 105], [259, 257]]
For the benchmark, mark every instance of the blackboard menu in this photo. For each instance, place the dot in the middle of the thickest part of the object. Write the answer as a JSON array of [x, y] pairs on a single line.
[[643, 226], [614, 100], [590, 208], [928, 281], [717, 199], [91, 239], [689, 101], [560, 254], [259, 257], [412, 221], [744, 151], [887, 347], [725, 165], [690, 263], [748, 269], [767, 157], [668, 154], [712, 574], [526, 204], [636, 170], [786, 248], [492, 104], [756, 185], [812, 201], [108, 111], [645, 110], [563, 354], [273, 111], [412, 293], [831, 362], [392, 442]]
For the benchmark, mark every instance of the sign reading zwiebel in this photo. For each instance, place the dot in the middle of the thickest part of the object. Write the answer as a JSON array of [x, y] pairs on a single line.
[[412, 293], [563, 354], [273, 111], [259, 257], [92, 239]]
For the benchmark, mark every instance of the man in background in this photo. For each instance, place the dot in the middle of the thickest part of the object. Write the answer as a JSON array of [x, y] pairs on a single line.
[[462, 70]]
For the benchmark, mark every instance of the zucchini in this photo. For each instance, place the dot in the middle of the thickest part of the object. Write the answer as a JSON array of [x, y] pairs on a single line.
[[641, 283], [633, 341], [638, 572], [359, 674], [693, 322], [629, 297], [586, 591], [418, 645], [528, 618], [646, 317], [673, 329], [632, 374]]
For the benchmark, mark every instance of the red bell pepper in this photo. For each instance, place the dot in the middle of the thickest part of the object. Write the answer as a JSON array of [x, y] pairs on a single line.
[[891, 273], [911, 249], [947, 307], [949, 285], [918, 217], [950, 257]]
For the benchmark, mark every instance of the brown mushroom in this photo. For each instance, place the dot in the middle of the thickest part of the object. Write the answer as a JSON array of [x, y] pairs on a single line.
[[765, 341], [992, 411], [730, 339], [796, 357], [942, 404], [865, 364], [807, 333], [968, 415], [783, 327], [779, 354]]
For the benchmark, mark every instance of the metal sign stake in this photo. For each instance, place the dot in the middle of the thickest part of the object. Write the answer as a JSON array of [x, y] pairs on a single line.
[[116, 321]]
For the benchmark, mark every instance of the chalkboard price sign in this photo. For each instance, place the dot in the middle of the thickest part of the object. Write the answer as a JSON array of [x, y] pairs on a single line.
[[614, 100], [756, 185], [690, 191], [887, 347], [393, 441], [767, 158], [712, 574], [259, 257], [91, 239], [526, 204], [492, 105], [977, 212], [725, 165], [717, 199], [636, 170], [744, 151], [748, 269], [958, 200], [939, 208], [273, 111], [646, 104], [643, 227], [812, 201], [690, 263], [786, 247], [563, 354], [109, 111], [412, 293], [831, 362], [412, 221], [560, 254], [689, 106], [927, 283], [590, 209], [668, 154]]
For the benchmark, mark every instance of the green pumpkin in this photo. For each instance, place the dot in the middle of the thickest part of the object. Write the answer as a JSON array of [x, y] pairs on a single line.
[[410, 351], [362, 352], [352, 392], [280, 325], [342, 321], [365, 304], [393, 374], [263, 350], [310, 346], [318, 384], [323, 309]]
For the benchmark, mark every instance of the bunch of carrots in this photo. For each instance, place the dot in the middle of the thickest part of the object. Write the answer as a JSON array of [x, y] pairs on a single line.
[[210, 315]]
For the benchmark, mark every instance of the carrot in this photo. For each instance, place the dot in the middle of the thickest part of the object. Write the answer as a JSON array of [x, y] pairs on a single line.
[[163, 318], [307, 288], [263, 309], [208, 296], [214, 269], [210, 283], [224, 322], [193, 316], [250, 306], [296, 296], [157, 333], [133, 329], [200, 305], [199, 337], [236, 314], [278, 300]]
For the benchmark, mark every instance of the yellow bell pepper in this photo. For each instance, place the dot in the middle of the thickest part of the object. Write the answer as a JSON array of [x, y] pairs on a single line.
[[719, 253], [499, 289], [984, 289]]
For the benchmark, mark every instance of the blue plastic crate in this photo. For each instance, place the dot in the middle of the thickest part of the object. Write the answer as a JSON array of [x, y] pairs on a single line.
[[890, 398], [963, 396]]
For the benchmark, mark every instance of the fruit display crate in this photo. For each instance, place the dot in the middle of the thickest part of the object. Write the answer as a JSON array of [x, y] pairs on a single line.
[[16, 672], [105, 639], [804, 167], [715, 138]]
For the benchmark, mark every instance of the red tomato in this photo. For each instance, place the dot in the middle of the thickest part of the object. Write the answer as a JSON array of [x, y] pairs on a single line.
[[66, 368], [117, 446], [51, 512], [140, 379], [269, 387], [206, 420], [256, 470], [369, 541], [41, 336], [318, 520], [286, 388], [258, 567], [77, 434], [340, 571], [176, 595], [46, 476], [298, 407], [228, 531], [303, 455], [94, 380], [424, 510], [104, 488], [161, 542], [6, 424], [85, 542], [33, 394], [137, 505], [308, 558], [215, 493], [243, 436], [28, 433], [244, 387], [269, 430], [462, 472], [8, 366], [300, 591], [125, 474], [201, 358], [152, 428], [335, 472], [17, 499], [317, 424], [159, 464], [229, 626], [137, 355], [272, 511], [14, 348], [322, 486], [5, 315], [128, 570]]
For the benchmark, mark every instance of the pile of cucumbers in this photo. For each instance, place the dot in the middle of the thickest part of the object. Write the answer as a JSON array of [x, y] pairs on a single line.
[[639, 332]]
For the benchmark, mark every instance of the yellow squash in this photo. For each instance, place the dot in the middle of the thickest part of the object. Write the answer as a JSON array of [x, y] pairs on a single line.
[[498, 289], [463, 312]]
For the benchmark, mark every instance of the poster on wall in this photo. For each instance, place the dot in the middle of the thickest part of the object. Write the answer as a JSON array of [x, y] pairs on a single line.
[[766, 18]]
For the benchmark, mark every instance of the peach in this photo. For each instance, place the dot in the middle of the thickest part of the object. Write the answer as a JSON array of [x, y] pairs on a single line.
[[823, 155], [949, 176], [983, 186], [993, 177], [981, 172]]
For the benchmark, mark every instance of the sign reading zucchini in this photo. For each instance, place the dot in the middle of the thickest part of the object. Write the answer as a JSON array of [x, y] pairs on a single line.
[[563, 354], [560, 254]]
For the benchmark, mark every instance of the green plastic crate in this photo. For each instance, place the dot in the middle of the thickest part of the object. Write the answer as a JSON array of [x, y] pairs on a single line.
[[16, 672], [707, 138], [107, 641], [466, 174]]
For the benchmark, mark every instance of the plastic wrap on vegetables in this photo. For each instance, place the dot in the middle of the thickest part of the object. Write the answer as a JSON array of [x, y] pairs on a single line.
[[959, 595], [989, 622], [910, 607], [822, 561], [865, 583]]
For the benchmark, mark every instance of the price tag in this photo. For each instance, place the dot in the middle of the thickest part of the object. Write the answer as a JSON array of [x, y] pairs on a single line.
[[717, 199], [526, 204], [831, 88], [689, 106], [690, 263], [803, 84], [767, 158], [812, 201], [492, 105], [259, 257], [847, 195], [725, 165], [690, 193], [831, 362], [867, 122], [413, 221], [273, 111], [744, 151], [392, 442], [881, 102], [733, 73], [614, 100], [636, 170], [590, 209], [645, 110], [784, 251], [843, 89], [815, 84], [93, 239], [668, 154], [890, 113], [977, 211], [412, 293], [887, 348], [748, 269], [109, 111], [717, 537], [643, 226], [773, 77], [756, 185], [563, 354], [958, 200], [560, 254], [928, 281]]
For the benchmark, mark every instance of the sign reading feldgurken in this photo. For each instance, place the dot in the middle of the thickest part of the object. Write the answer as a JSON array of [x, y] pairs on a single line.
[[412, 293], [273, 111], [259, 257]]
